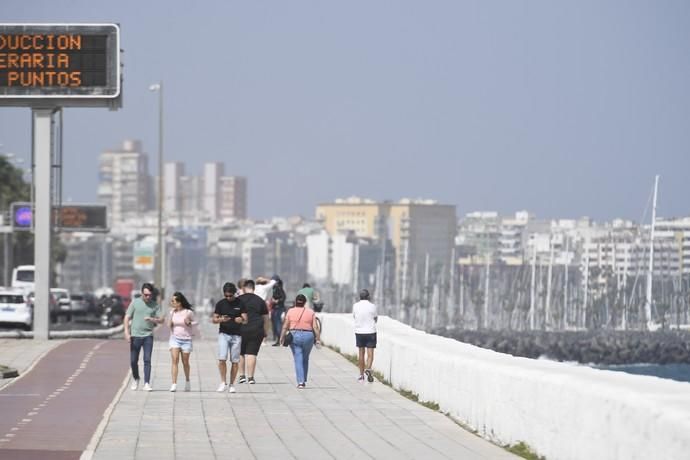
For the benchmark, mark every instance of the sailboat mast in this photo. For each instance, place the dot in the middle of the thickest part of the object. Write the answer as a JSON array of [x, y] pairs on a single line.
[[648, 303]]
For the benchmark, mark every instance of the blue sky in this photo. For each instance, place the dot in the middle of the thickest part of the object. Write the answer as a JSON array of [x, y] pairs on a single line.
[[562, 108]]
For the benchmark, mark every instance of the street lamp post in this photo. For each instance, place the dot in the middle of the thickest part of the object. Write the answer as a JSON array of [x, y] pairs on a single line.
[[160, 251]]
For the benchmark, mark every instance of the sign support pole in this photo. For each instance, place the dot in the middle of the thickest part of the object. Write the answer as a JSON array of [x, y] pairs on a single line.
[[42, 226]]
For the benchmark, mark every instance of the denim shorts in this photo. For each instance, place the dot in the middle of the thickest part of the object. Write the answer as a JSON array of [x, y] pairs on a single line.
[[229, 343], [184, 345]]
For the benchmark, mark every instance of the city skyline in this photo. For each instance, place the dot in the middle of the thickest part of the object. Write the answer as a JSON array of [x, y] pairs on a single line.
[[564, 110]]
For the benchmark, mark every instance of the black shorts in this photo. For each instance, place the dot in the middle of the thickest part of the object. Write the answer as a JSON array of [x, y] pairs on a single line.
[[366, 340], [251, 344]]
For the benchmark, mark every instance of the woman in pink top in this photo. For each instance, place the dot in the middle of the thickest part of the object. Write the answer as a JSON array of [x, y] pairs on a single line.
[[302, 324], [181, 321]]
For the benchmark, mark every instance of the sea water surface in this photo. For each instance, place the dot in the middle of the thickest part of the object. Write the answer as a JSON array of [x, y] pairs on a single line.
[[678, 372]]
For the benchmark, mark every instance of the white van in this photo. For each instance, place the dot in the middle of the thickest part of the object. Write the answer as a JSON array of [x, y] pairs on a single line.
[[23, 277]]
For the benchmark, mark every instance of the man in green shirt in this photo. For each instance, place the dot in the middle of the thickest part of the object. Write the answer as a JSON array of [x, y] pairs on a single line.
[[311, 295], [142, 316]]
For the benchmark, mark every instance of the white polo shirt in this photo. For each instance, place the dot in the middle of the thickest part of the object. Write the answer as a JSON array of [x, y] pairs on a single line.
[[364, 313]]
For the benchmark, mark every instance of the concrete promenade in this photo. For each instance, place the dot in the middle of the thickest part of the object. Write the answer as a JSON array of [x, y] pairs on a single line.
[[334, 417]]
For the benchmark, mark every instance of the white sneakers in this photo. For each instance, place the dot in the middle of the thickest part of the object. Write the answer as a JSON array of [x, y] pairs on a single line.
[[223, 386], [370, 375], [147, 386], [187, 387]]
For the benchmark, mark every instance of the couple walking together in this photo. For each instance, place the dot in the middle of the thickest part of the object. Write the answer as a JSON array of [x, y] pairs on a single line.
[[142, 316]]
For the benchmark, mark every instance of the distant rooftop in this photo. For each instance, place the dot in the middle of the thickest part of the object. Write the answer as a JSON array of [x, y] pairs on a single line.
[[359, 200]]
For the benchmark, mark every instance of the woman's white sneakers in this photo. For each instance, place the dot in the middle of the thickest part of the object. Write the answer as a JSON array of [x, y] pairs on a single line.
[[187, 386], [173, 388], [221, 387]]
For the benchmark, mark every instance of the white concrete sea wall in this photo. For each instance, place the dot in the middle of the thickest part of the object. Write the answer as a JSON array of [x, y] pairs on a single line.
[[563, 411]]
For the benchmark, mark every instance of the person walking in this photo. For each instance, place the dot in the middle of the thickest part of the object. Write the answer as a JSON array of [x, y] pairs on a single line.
[[230, 314], [181, 320], [365, 316], [300, 321], [253, 332], [278, 309], [311, 295], [141, 317]]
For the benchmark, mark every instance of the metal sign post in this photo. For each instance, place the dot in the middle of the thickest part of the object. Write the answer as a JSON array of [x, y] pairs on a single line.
[[47, 67], [42, 225]]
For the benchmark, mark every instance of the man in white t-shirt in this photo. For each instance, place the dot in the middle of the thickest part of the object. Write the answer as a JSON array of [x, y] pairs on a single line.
[[364, 313]]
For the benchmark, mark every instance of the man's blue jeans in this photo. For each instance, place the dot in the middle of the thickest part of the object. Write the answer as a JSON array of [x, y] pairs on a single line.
[[302, 343], [134, 349]]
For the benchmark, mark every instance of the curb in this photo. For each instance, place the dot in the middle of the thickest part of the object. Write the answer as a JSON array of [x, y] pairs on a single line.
[[80, 334]]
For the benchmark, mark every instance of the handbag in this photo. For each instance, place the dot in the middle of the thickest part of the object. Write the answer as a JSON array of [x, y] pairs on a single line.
[[287, 340]]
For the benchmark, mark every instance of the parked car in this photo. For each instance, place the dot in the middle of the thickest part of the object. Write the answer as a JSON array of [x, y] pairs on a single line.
[[53, 308], [64, 302], [78, 305], [112, 310], [15, 309]]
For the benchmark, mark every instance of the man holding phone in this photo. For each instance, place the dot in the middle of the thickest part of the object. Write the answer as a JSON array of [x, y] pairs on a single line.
[[230, 314], [142, 316]]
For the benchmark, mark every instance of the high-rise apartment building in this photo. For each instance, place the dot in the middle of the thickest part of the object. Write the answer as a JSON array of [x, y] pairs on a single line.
[[124, 182], [212, 174], [172, 195], [128, 190], [233, 197]]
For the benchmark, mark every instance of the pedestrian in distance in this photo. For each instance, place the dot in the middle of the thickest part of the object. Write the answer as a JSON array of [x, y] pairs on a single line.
[[253, 332], [142, 316], [311, 295], [302, 324], [278, 309], [229, 314], [365, 317], [181, 321], [263, 287]]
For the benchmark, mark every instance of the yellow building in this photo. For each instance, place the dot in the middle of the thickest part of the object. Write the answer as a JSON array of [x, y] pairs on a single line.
[[420, 231]]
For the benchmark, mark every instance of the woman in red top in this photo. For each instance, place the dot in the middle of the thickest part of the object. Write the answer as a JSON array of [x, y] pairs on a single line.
[[302, 324]]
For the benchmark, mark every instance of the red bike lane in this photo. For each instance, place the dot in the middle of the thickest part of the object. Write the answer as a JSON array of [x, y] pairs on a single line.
[[53, 411]]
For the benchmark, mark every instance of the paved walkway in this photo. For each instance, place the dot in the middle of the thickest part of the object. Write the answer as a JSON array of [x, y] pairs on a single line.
[[335, 417]]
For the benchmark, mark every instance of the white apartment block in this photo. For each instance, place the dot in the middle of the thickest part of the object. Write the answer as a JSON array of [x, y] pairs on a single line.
[[212, 174], [172, 195], [318, 256], [124, 182]]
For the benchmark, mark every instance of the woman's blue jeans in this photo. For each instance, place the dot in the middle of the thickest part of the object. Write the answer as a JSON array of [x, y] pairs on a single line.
[[134, 349], [302, 343]]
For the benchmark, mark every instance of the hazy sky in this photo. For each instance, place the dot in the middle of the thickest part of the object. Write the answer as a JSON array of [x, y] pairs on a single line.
[[562, 108]]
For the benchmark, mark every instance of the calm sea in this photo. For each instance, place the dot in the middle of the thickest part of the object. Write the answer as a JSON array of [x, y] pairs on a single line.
[[679, 372]]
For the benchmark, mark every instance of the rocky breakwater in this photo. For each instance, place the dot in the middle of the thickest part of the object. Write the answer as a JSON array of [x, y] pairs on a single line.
[[587, 347]]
